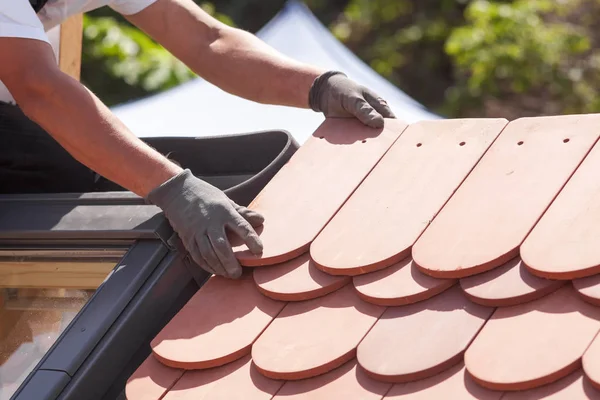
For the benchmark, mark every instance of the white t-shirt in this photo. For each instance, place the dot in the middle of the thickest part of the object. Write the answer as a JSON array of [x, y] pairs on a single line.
[[18, 19]]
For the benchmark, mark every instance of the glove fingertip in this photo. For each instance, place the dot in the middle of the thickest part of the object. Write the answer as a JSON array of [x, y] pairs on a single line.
[[376, 123], [388, 113], [236, 273], [254, 244], [254, 218], [374, 120]]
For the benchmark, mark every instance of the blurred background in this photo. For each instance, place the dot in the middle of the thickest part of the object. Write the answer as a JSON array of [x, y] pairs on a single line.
[[458, 58]]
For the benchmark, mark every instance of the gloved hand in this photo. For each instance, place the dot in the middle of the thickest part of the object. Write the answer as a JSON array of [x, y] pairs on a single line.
[[199, 214], [337, 96]]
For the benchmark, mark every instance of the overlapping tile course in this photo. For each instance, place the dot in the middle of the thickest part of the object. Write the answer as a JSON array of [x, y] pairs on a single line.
[[422, 262]]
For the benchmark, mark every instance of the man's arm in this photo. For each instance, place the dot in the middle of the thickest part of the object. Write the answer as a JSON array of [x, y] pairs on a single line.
[[79, 122], [240, 63], [230, 58]]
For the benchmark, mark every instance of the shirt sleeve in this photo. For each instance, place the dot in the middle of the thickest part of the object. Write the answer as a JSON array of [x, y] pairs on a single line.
[[129, 7], [18, 20]]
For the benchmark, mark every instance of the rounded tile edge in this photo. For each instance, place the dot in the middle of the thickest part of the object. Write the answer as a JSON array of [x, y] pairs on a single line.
[[405, 300], [308, 373], [205, 364], [465, 272], [303, 296], [515, 300], [417, 375], [523, 385], [247, 259]]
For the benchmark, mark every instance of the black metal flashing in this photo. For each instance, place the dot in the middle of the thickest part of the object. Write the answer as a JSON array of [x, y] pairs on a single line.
[[23, 220], [43, 385], [147, 313], [103, 309]]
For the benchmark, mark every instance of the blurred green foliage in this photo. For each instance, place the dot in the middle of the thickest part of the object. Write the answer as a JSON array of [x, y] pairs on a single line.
[[123, 53], [506, 58], [115, 52], [520, 51]]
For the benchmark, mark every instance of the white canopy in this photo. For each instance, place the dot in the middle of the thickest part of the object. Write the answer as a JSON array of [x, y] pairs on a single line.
[[198, 108]]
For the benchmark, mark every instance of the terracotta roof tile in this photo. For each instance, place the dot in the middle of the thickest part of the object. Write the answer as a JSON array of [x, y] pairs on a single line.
[[296, 280], [422, 339], [305, 194], [198, 337], [590, 362], [152, 380], [563, 245], [507, 285], [347, 382], [454, 383], [486, 220], [238, 380], [426, 164], [573, 386], [534, 343], [398, 285], [589, 288], [313, 337], [445, 225]]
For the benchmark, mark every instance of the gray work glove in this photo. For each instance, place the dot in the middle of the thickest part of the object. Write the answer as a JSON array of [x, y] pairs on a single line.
[[200, 213], [333, 94]]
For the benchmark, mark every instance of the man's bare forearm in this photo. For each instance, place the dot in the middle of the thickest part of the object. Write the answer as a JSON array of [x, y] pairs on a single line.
[[232, 59], [81, 124], [242, 64]]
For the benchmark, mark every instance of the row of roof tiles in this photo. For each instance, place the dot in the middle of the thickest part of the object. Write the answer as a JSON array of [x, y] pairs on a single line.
[[428, 261]]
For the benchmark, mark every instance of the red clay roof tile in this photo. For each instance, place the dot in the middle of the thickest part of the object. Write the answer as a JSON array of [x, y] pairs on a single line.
[[590, 362], [313, 185], [217, 325], [507, 285], [564, 243], [531, 346], [420, 340], [571, 387], [453, 383], [484, 223], [296, 280], [313, 337], [399, 285], [535, 343], [589, 289], [238, 380], [151, 380], [347, 382], [426, 164]]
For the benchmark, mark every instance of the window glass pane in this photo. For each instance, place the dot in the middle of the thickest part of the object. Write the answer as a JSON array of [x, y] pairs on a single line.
[[41, 291]]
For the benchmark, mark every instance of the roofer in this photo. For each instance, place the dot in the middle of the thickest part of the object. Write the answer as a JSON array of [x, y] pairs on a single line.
[[59, 132]]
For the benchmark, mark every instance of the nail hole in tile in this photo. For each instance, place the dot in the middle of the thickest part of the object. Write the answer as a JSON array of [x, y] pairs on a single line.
[[566, 140], [520, 143], [364, 140], [461, 143], [419, 144]]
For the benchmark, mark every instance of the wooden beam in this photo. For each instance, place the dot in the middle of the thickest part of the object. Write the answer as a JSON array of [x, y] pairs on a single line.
[[54, 274], [69, 51]]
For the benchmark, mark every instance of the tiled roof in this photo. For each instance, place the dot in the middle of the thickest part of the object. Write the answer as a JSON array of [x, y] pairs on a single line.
[[451, 259]]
